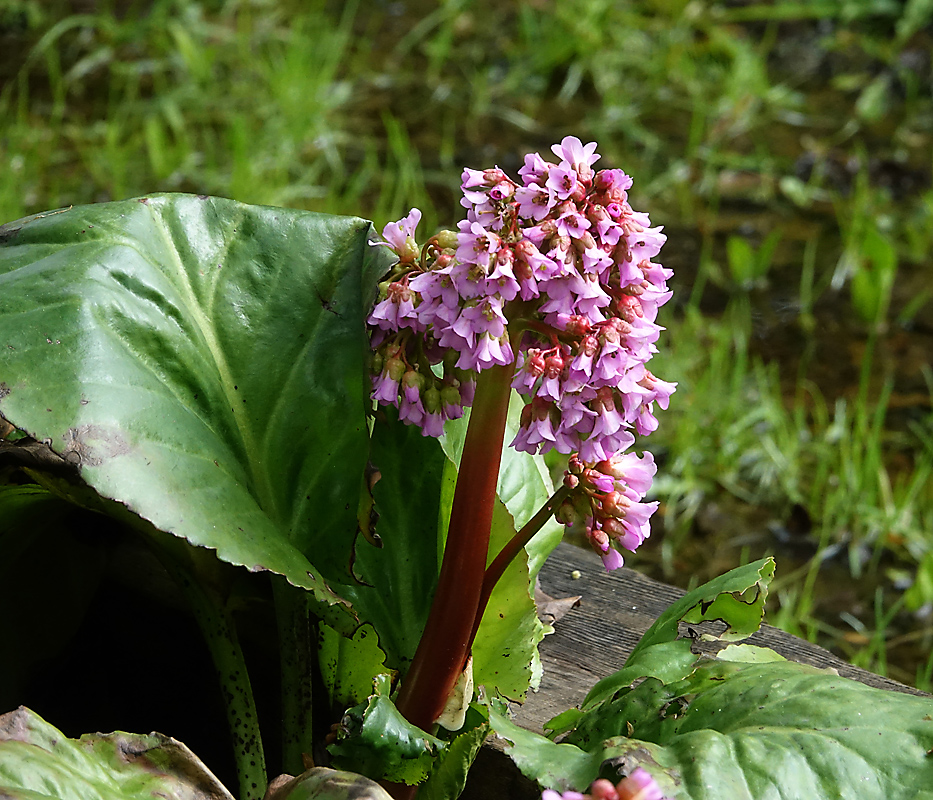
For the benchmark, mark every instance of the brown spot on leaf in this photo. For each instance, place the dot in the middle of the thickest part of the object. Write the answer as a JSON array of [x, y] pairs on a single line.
[[4, 390], [91, 445], [14, 726]]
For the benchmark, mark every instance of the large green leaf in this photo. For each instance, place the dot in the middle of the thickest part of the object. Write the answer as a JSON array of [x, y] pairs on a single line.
[[37, 762], [449, 776], [201, 362], [505, 651]]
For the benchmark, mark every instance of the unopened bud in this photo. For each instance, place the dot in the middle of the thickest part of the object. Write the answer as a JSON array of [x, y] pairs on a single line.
[[432, 400], [494, 176], [446, 240], [616, 504], [395, 368], [535, 362], [568, 515], [413, 380], [598, 537], [575, 324], [553, 366], [450, 396]]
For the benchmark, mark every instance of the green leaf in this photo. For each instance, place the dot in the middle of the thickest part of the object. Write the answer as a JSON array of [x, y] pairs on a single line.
[[524, 483], [505, 651], [554, 766], [790, 730], [397, 580], [37, 762], [349, 664], [381, 744], [201, 362], [449, 775], [321, 783], [736, 599], [743, 724]]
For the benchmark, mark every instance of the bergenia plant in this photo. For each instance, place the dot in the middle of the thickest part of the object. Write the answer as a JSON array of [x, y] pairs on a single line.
[[549, 289], [350, 433]]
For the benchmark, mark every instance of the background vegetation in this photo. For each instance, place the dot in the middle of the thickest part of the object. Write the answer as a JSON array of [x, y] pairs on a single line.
[[786, 148]]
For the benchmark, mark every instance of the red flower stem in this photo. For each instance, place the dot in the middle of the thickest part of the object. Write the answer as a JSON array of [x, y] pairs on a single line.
[[511, 549], [445, 643]]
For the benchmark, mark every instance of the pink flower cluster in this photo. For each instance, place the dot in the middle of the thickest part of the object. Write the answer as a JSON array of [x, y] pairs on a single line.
[[605, 502], [567, 243], [553, 274], [637, 786], [405, 343]]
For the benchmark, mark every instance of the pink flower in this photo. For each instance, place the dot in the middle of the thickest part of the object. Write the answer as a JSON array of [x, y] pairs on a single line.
[[400, 236], [637, 786], [575, 153]]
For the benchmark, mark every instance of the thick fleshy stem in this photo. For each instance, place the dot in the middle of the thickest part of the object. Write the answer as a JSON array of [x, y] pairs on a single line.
[[298, 661], [445, 643], [512, 548]]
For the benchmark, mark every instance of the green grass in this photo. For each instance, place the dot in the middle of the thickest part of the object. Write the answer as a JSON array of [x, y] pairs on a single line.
[[784, 145]]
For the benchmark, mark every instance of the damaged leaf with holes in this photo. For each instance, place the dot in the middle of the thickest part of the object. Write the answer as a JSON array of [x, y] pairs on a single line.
[[742, 723]]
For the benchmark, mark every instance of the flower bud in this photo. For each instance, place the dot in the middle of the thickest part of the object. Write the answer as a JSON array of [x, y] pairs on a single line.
[[432, 400], [598, 538], [451, 402], [574, 324], [616, 504], [535, 362], [413, 380], [494, 176], [446, 240], [553, 366], [395, 369], [567, 514]]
